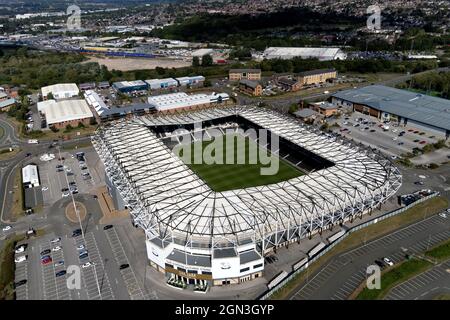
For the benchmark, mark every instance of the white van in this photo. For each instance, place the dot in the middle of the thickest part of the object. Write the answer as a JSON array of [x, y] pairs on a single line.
[[33, 141]]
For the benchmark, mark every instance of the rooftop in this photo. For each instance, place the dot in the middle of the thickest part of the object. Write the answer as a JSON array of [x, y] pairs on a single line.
[[60, 87], [411, 105], [305, 113], [66, 110], [249, 83], [314, 72], [245, 70]]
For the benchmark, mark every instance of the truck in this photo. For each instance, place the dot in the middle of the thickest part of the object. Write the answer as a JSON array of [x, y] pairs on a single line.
[[33, 141]]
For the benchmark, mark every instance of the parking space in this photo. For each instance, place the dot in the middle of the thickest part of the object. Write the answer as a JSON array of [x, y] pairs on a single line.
[[391, 138], [53, 177], [127, 273], [95, 279], [21, 274], [53, 270], [419, 285]]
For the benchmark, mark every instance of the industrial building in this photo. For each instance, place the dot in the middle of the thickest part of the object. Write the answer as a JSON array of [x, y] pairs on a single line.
[[30, 176], [60, 114], [60, 91], [322, 54], [181, 100], [157, 84], [248, 74], [95, 102], [199, 236], [316, 76], [190, 81], [252, 88], [130, 86], [407, 108]]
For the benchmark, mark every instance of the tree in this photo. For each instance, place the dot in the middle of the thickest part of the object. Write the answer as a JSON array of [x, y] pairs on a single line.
[[207, 83], [195, 62], [207, 60], [50, 96]]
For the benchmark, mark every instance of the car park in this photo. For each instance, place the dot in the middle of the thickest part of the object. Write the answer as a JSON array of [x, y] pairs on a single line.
[[21, 259], [45, 252], [388, 261]]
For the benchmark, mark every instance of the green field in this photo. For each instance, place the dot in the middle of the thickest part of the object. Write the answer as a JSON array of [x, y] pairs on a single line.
[[241, 173]]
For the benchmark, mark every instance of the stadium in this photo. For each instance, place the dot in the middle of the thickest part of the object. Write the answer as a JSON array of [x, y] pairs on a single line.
[[213, 224]]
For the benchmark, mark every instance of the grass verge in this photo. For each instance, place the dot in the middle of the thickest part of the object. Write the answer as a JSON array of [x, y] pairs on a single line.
[[17, 208], [5, 154], [371, 232], [74, 146], [391, 278]]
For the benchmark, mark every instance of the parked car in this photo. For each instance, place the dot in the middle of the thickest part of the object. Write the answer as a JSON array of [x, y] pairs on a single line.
[[443, 215], [57, 248], [86, 265], [388, 261], [83, 256], [6, 228], [19, 283], [80, 247], [76, 233], [107, 227], [21, 259], [59, 263], [45, 252], [46, 260], [124, 266], [60, 273], [379, 263], [55, 240], [20, 248]]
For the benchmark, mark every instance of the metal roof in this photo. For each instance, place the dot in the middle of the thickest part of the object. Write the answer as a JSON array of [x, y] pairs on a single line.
[[305, 113], [429, 110], [168, 199]]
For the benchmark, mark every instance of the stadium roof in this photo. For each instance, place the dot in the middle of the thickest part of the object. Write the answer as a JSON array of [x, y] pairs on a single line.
[[66, 110], [291, 52], [168, 199], [415, 106]]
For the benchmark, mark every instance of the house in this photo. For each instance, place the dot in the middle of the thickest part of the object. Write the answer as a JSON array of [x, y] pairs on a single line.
[[306, 114], [289, 84], [324, 108], [250, 87], [316, 76], [248, 74]]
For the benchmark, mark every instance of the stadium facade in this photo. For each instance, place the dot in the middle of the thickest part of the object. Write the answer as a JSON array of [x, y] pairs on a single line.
[[203, 237]]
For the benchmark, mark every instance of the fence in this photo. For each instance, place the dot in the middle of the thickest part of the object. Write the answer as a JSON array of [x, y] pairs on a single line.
[[292, 274]]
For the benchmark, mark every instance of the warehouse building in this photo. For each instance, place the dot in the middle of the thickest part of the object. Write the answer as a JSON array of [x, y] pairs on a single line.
[[190, 81], [404, 107], [158, 84], [250, 87], [130, 86], [67, 112], [30, 176], [316, 76], [183, 101], [322, 54], [60, 91], [95, 102], [248, 74]]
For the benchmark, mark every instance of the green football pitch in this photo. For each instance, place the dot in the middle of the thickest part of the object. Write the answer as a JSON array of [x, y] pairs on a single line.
[[240, 172]]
